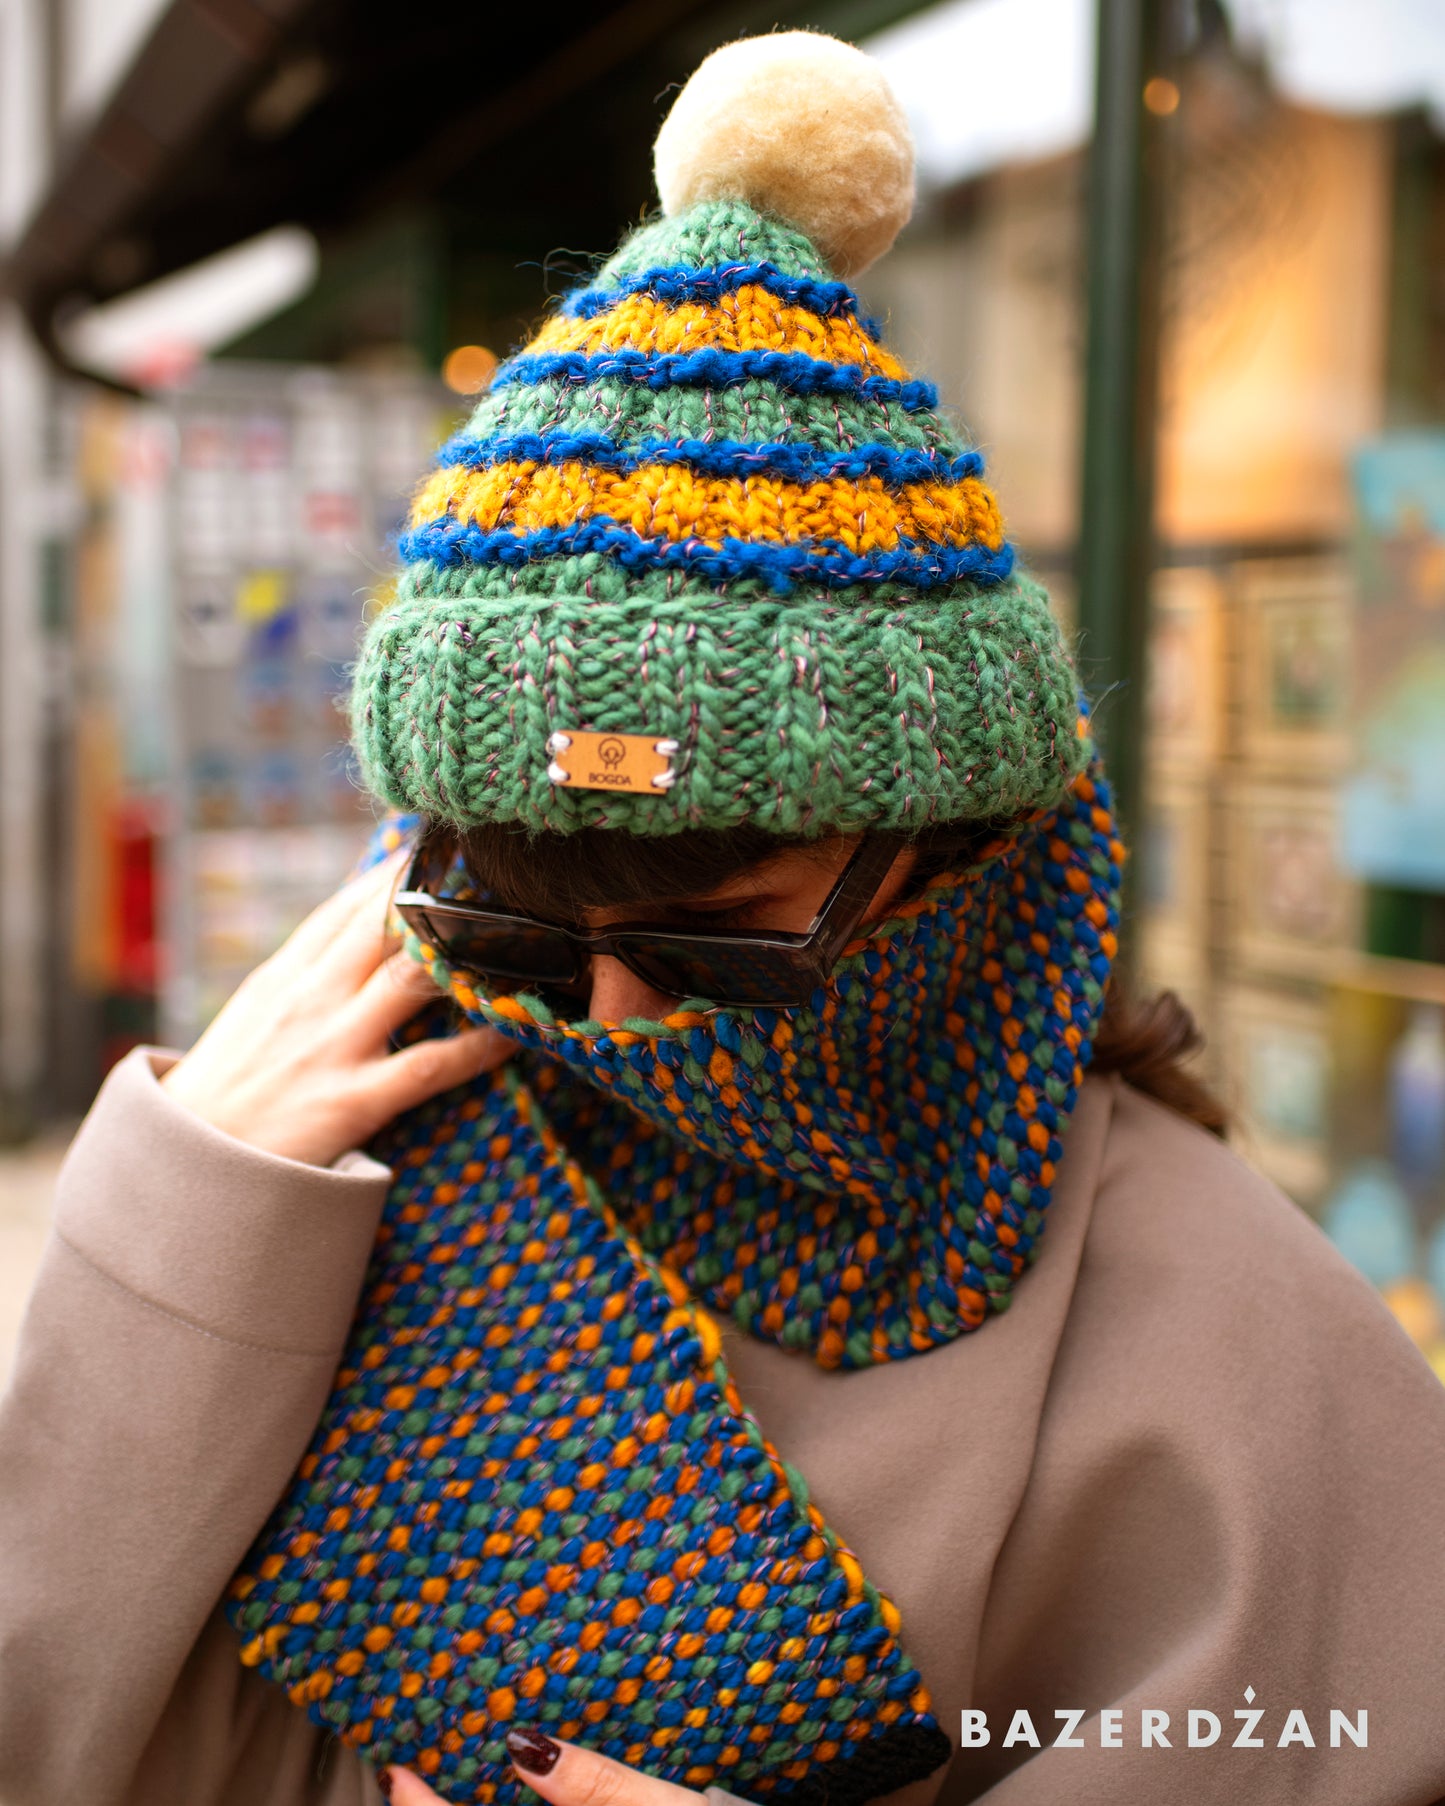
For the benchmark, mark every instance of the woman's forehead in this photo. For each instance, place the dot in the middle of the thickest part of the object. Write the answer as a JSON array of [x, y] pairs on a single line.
[[607, 868], [789, 871]]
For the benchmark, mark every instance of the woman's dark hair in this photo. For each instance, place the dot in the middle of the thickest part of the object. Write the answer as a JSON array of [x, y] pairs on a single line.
[[1147, 1042]]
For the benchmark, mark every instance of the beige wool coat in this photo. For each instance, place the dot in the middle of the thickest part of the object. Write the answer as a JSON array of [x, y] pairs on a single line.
[[1195, 1468]]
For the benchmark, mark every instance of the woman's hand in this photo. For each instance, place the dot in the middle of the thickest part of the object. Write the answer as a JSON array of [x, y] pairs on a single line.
[[298, 1061], [564, 1773]]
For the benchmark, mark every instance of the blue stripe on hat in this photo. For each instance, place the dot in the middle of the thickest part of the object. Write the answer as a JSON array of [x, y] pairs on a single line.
[[681, 283], [799, 461], [828, 562], [711, 368]]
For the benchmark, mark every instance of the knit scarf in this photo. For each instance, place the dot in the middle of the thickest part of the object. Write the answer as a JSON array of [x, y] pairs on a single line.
[[535, 1495]]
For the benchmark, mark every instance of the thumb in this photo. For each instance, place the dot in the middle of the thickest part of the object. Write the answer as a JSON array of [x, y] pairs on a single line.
[[568, 1775], [403, 1788]]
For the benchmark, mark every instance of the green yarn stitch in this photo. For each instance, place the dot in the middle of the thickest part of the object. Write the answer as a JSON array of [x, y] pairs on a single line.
[[826, 717], [754, 412], [715, 232]]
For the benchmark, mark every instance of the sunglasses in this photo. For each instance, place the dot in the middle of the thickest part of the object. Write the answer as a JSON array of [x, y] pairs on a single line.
[[771, 969]]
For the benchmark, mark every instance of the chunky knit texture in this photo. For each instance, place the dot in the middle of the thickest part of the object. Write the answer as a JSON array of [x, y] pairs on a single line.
[[916, 1101], [535, 1495], [706, 504]]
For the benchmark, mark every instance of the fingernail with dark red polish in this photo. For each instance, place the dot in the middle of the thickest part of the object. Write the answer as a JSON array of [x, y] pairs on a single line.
[[385, 1780], [532, 1751]]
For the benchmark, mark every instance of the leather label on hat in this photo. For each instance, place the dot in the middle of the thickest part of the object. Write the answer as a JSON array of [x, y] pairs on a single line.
[[636, 762]]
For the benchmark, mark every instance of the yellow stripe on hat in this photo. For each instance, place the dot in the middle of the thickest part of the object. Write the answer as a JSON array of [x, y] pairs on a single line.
[[672, 501], [748, 319]]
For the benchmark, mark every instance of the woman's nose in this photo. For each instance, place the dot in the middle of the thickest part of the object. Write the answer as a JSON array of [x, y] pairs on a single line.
[[617, 993]]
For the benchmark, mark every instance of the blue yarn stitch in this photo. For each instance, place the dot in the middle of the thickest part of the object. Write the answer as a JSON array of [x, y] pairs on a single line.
[[829, 562], [713, 368], [799, 462], [677, 282]]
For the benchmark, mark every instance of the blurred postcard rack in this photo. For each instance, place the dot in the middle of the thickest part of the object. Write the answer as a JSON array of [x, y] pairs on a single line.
[[240, 528], [1294, 861]]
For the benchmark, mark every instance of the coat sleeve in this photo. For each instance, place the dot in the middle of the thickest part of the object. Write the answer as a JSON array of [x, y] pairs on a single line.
[[191, 1306], [1236, 1506]]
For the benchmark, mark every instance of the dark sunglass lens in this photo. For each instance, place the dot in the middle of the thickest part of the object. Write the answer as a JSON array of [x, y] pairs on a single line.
[[514, 951], [723, 970]]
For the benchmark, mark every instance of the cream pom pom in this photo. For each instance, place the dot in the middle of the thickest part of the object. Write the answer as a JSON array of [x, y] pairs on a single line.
[[799, 125]]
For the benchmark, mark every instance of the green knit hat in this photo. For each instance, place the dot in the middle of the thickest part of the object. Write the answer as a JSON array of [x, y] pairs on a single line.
[[705, 553]]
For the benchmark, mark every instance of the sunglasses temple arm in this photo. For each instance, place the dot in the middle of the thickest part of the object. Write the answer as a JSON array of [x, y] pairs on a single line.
[[857, 889]]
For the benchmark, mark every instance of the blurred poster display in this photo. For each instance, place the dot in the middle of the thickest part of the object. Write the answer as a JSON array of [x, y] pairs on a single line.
[[276, 495], [1278, 1045], [1296, 632], [1244, 907], [1292, 907], [1393, 802], [110, 587]]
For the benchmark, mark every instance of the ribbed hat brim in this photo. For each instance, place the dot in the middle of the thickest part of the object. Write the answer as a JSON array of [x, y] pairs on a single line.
[[803, 717]]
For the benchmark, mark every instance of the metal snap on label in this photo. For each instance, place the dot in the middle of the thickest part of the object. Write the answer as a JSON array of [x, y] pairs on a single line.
[[636, 762]]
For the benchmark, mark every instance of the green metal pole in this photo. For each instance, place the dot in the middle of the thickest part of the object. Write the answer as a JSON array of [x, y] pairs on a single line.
[[1116, 539]]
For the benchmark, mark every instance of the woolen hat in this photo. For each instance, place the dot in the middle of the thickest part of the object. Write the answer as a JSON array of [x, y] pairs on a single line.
[[706, 553]]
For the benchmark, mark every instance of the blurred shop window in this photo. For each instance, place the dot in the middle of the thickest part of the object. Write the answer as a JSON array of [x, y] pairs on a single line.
[[236, 529], [1292, 854]]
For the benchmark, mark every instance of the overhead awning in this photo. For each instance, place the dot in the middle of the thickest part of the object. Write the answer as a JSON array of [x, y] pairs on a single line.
[[238, 115], [201, 57]]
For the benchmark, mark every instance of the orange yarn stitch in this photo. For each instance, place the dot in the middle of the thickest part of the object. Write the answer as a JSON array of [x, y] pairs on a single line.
[[673, 502], [748, 319]]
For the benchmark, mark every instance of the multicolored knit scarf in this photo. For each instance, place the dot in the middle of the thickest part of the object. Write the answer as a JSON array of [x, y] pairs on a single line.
[[535, 1494]]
